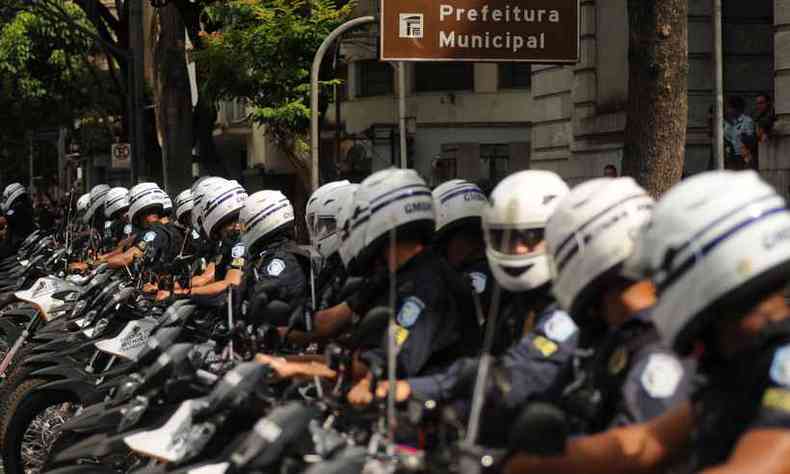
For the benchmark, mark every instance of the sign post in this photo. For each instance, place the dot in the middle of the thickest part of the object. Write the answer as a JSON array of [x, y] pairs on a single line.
[[541, 31]]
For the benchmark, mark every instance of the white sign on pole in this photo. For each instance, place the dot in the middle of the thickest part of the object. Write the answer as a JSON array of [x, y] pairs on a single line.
[[120, 155]]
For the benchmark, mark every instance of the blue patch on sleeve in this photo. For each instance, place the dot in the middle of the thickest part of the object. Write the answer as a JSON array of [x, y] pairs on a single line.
[[780, 367], [410, 311]]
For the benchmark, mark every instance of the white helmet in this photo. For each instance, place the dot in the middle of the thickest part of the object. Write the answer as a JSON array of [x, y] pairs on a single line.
[[347, 247], [458, 203], [117, 200], [184, 203], [391, 199], [313, 204], [591, 234], [83, 203], [98, 196], [11, 193], [263, 214], [168, 205], [322, 210], [145, 197], [519, 208], [198, 192], [222, 201], [716, 243]]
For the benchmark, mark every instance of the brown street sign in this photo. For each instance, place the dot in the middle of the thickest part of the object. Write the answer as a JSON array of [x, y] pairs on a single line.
[[542, 31]]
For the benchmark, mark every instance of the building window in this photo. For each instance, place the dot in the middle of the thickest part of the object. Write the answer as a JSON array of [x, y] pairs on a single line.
[[445, 166], [515, 76], [435, 77], [495, 162], [374, 78]]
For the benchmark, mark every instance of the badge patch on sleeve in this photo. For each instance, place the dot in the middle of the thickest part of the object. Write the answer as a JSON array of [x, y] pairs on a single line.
[[559, 327], [195, 234], [127, 229], [780, 367], [777, 399], [544, 346], [238, 251], [401, 334], [661, 375], [275, 267], [410, 311], [149, 236], [479, 281], [107, 225]]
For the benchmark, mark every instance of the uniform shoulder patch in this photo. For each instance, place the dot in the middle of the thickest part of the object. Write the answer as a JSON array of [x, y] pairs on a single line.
[[238, 251], [127, 229], [479, 281], [777, 399], [149, 236], [9, 212], [107, 225], [559, 327], [410, 311], [780, 367], [195, 234], [275, 267], [661, 375]]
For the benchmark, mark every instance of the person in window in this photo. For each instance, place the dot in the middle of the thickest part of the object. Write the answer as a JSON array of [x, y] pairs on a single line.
[[739, 134], [764, 117]]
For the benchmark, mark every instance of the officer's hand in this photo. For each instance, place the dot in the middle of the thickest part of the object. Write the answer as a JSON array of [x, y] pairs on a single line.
[[150, 288], [360, 395], [162, 295], [402, 390]]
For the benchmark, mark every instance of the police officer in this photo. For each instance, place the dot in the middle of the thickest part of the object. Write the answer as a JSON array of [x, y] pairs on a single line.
[[538, 364], [718, 261], [321, 218], [222, 202], [154, 241], [206, 249], [459, 236], [275, 268], [631, 376], [117, 231], [434, 305], [18, 212]]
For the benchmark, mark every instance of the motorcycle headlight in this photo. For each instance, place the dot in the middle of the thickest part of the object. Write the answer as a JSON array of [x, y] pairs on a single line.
[[128, 388], [132, 413], [101, 325]]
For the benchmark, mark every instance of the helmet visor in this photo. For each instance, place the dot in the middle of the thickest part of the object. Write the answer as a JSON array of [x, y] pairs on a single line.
[[325, 227], [514, 241]]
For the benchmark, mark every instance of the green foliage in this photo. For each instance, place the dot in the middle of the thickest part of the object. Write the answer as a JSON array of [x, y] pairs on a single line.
[[263, 53]]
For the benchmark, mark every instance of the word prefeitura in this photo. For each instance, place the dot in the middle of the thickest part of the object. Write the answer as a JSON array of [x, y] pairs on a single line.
[[488, 40]]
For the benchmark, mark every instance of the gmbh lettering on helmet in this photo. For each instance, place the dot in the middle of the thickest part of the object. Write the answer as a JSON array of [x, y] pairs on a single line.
[[514, 222], [98, 196], [386, 200], [145, 198], [184, 203], [222, 202], [83, 203], [263, 215], [11, 194], [347, 248], [325, 210], [117, 201], [715, 243], [316, 201], [591, 234], [198, 193], [457, 203]]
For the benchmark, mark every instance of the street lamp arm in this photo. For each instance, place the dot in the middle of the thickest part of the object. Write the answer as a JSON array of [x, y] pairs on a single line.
[[319, 57]]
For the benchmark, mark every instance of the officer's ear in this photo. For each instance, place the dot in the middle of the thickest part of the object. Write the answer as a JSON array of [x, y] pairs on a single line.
[[541, 429]]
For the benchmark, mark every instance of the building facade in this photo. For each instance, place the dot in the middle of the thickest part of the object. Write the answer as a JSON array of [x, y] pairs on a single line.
[[482, 121]]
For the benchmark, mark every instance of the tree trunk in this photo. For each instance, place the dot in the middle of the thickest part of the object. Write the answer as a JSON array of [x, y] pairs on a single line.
[[655, 133], [174, 114]]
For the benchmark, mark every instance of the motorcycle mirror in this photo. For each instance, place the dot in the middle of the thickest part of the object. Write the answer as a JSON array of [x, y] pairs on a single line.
[[352, 286], [372, 325], [540, 429]]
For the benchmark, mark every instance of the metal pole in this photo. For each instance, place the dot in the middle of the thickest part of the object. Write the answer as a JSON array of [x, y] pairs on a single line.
[[319, 57], [137, 46], [718, 64], [30, 187], [402, 113]]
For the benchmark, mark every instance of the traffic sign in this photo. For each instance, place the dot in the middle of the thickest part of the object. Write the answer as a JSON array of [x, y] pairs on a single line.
[[120, 155], [542, 31]]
